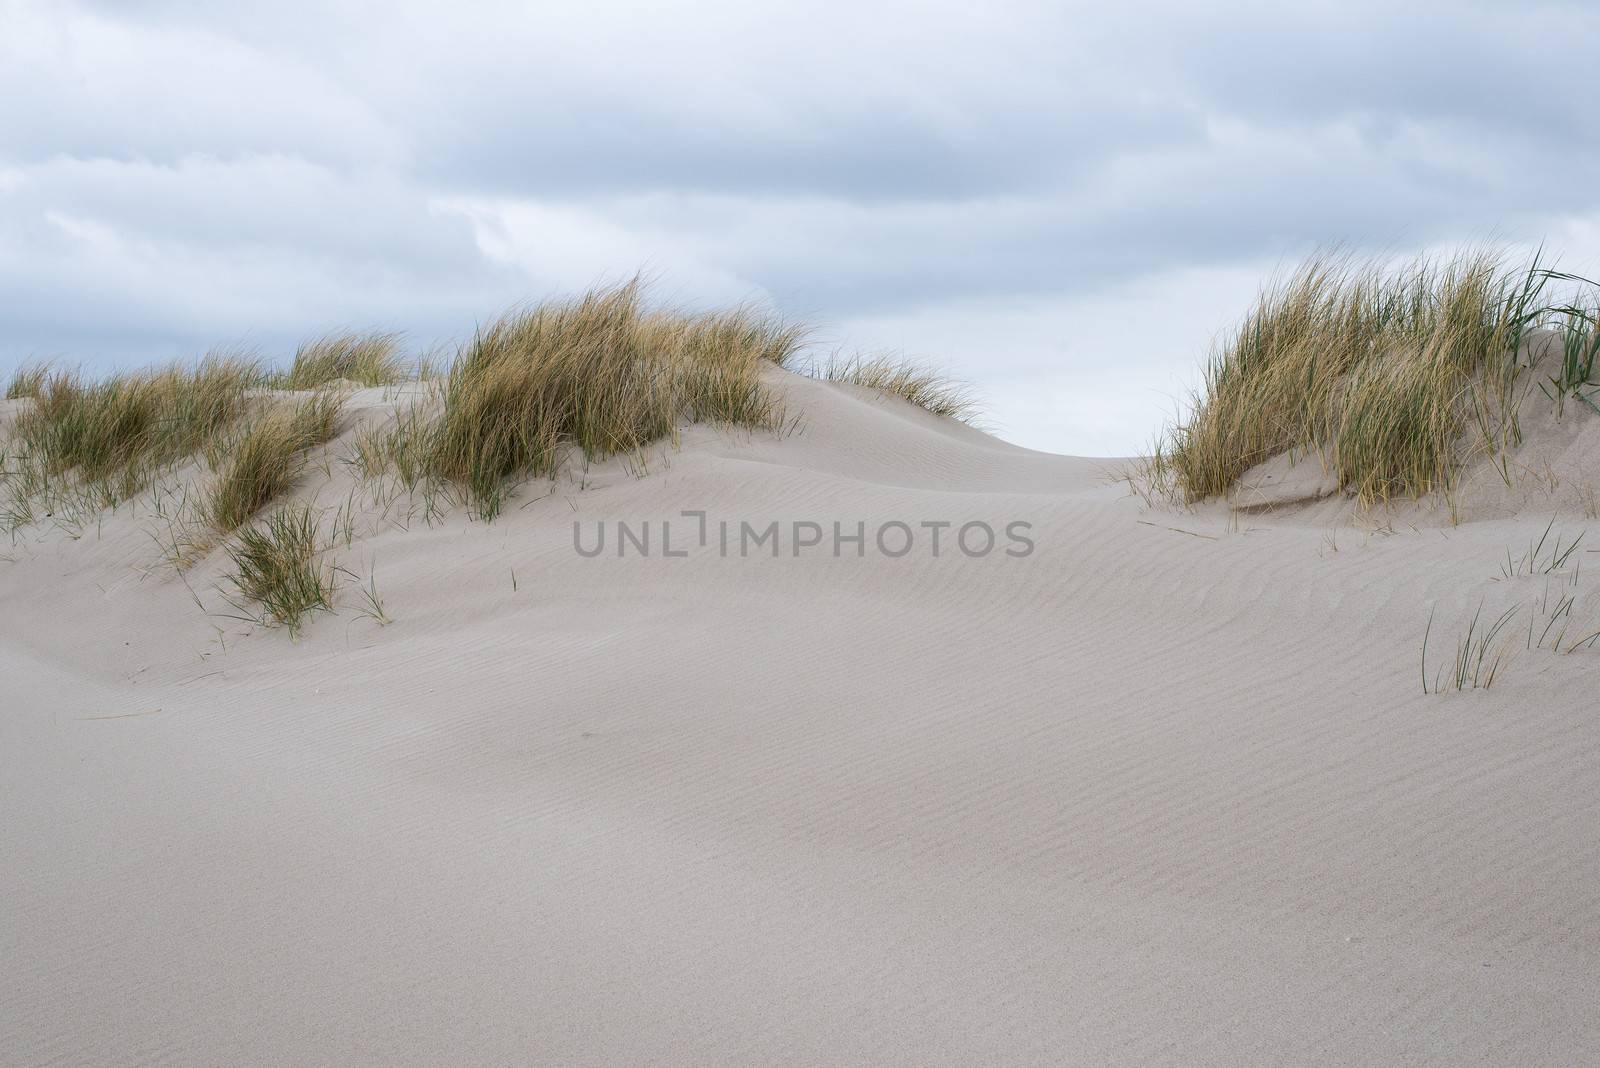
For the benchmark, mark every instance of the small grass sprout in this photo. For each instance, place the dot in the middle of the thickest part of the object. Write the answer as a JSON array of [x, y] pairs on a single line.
[[1536, 560], [1480, 654]]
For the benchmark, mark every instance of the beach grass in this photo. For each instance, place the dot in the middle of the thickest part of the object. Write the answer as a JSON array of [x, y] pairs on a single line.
[[107, 438], [1578, 325], [368, 359], [907, 379], [1388, 373], [266, 459], [27, 380], [1480, 654], [602, 374], [278, 567]]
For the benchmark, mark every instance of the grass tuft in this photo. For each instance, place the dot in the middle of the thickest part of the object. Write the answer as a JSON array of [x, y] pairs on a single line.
[[109, 438], [1480, 654], [908, 380], [267, 458], [371, 359], [27, 381], [278, 567], [1536, 561], [1379, 370], [602, 374], [1578, 327]]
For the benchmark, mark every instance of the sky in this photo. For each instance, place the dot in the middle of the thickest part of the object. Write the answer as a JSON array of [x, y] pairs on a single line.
[[1062, 204]]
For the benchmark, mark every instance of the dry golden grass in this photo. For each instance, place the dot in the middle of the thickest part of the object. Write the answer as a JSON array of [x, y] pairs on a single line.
[[1383, 372], [905, 378], [106, 439], [27, 380], [266, 459], [371, 359], [602, 374]]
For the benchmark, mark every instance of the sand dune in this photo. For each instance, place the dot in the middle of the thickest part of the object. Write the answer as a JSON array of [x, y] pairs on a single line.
[[1165, 790]]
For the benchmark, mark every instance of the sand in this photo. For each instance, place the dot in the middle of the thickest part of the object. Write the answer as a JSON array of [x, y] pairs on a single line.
[[1166, 790]]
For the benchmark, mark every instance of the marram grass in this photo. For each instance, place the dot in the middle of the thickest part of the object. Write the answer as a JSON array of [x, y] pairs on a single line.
[[368, 359], [906, 379], [278, 566], [267, 457], [1381, 371], [602, 374], [1391, 375], [1578, 327], [87, 443], [108, 438], [27, 380]]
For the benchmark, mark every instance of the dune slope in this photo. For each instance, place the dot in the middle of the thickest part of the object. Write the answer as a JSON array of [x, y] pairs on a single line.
[[1165, 790]]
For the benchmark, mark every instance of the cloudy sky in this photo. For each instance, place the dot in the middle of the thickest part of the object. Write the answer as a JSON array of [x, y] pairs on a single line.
[[1061, 203]]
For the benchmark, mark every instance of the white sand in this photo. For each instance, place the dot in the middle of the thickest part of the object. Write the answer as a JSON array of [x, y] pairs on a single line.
[[1165, 792]]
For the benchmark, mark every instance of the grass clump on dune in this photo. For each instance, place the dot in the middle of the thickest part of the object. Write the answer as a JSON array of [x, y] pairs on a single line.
[[268, 457], [1578, 327], [108, 438], [371, 359], [278, 567], [27, 381], [904, 378], [1380, 370], [603, 374]]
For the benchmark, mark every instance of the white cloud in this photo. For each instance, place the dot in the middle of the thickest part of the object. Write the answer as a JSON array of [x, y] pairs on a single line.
[[563, 247], [89, 85], [1091, 374]]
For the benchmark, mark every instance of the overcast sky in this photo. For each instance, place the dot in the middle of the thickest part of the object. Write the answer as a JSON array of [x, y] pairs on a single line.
[[1060, 203]]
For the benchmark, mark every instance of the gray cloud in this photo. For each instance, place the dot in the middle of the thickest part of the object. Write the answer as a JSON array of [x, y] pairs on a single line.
[[174, 174]]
